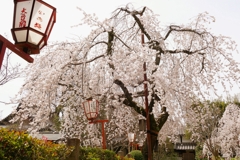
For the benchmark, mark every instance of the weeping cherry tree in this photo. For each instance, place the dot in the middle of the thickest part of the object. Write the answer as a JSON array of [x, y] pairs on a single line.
[[183, 62]]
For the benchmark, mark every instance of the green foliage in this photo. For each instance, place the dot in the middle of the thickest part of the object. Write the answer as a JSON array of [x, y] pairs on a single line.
[[96, 154], [198, 153], [236, 100], [56, 121], [166, 151], [137, 155], [17, 145], [55, 118], [187, 134], [221, 105]]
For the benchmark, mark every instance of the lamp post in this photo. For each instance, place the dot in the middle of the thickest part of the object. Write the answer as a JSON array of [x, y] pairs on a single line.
[[33, 21], [91, 110]]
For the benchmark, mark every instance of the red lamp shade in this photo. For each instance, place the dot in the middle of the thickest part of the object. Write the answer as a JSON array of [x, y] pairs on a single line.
[[33, 21], [91, 109]]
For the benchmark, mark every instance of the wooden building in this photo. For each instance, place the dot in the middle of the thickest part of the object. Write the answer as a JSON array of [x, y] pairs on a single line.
[[185, 150]]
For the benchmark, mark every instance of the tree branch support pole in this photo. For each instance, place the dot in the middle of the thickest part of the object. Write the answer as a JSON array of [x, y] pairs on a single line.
[[149, 139], [103, 132], [149, 145], [4, 43]]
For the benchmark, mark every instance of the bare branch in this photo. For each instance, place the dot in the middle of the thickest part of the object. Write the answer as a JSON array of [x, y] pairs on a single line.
[[185, 51], [129, 100], [134, 15], [175, 28], [89, 61]]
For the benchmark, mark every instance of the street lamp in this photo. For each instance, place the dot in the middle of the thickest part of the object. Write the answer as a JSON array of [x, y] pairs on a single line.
[[130, 139], [33, 21], [91, 110]]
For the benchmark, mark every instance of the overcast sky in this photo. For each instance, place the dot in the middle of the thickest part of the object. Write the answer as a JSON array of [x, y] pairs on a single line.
[[226, 12]]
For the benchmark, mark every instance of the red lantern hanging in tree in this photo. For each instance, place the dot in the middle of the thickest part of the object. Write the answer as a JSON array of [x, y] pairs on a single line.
[[91, 109]]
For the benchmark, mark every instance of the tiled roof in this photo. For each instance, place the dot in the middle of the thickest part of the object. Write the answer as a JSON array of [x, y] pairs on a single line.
[[185, 146]]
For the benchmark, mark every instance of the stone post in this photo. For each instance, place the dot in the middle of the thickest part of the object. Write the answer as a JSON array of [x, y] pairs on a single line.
[[75, 143]]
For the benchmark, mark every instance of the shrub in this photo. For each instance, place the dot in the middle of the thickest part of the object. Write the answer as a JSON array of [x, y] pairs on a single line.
[[17, 145], [96, 154], [137, 155]]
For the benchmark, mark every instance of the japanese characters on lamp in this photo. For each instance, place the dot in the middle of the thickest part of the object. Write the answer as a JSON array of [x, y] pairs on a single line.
[[32, 24], [37, 20], [22, 22]]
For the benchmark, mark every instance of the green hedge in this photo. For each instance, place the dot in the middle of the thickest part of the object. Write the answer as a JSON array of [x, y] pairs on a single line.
[[17, 145], [137, 155], [98, 154]]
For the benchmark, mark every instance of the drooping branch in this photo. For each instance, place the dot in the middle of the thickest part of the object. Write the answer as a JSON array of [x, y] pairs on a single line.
[[8, 72]]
